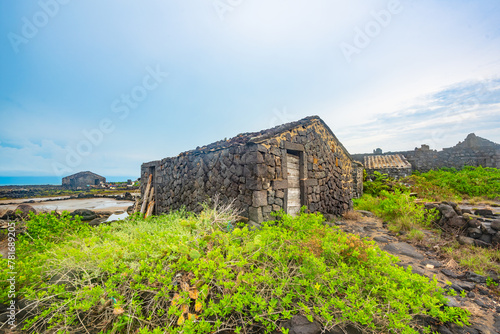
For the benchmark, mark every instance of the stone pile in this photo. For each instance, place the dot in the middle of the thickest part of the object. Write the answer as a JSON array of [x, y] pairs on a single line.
[[480, 228]]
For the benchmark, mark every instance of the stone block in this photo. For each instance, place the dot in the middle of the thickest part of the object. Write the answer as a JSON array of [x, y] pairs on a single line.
[[280, 184], [254, 184], [254, 158], [255, 214], [259, 198], [311, 182]]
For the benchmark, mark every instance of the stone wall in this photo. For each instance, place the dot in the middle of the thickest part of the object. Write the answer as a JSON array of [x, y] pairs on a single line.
[[253, 174], [473, 151]]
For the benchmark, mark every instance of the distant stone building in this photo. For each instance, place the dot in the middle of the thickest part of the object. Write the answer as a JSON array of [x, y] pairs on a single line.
[[394, 165], [286, 167], [473, 151], [82, 180]]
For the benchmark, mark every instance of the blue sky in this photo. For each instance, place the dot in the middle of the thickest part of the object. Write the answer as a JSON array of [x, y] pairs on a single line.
[[107, 85]]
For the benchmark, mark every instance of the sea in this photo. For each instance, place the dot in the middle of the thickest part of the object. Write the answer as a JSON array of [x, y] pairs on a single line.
[[49, 180]]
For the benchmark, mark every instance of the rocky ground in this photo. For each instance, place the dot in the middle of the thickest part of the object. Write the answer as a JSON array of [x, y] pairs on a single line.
[[482, 301]]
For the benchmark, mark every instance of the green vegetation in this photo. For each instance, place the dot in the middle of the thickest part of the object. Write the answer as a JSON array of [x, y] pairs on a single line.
[[399, 209], [477, 259], [392, 201], [444, 184], [187, 273], [448, 183]]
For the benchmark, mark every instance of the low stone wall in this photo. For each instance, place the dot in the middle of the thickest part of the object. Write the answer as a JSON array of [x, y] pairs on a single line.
[[479, 228]]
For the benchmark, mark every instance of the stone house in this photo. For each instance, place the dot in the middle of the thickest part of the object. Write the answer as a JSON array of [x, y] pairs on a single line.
[[394, 165], [82, 180], [286, 167]]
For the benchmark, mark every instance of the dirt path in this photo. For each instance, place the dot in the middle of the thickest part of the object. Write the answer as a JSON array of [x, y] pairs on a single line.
[[482, 302]]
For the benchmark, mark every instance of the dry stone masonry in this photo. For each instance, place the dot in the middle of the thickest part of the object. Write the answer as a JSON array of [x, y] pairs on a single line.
[[82, 180], [473, 151], [286, 167]]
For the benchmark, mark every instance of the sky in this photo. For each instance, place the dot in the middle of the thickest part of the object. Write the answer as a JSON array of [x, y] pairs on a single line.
[[107, 85]]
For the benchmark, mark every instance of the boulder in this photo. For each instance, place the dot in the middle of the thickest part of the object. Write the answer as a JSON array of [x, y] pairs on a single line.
[[25, 209], [84, 214]]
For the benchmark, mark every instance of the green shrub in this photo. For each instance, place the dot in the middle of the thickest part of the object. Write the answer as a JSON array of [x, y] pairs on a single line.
[[398, 208], [186, 273], [450, 184], [379, 182]]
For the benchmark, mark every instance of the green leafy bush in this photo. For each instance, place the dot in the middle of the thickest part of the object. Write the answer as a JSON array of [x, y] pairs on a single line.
[[398, 208], [379, 182], [449, 183], [186, 273]]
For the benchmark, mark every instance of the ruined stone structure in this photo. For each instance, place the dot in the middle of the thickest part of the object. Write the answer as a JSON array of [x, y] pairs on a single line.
[[394, 165], [473, 151], [286, 167], [82, 180]]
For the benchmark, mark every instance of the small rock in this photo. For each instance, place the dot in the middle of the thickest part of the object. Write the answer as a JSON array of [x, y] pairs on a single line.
[[449, 273], [97, 221], [349, 329], [483, 212], [381, 239], [471, 294], [466, 285], [473, 277], [486, 238], [366, 213], [443, 330], [434, 263], [474, 223], [456, 221], [447, 210], [465, 240], [474, 232], [299, 324], [480, 303], [452, 302], [495, 224], [84, 214], [480, 243]]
